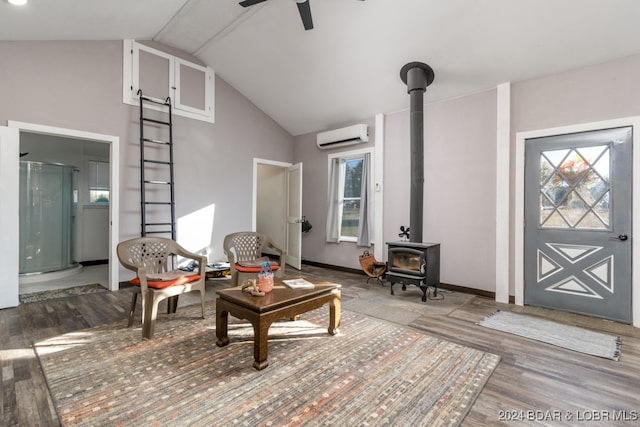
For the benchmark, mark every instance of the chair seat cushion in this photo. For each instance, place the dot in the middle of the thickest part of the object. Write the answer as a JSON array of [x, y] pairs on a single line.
[[245, 269], [161, 284]]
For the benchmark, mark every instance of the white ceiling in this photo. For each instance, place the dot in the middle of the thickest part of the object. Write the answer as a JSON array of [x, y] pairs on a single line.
[[347, 68]]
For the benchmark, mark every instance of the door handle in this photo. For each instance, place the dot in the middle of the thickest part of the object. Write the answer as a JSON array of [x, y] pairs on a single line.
[[623, 237]]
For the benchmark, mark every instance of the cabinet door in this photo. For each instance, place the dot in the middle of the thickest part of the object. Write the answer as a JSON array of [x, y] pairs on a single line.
[[193, 87], [160, 75], [155, 74]]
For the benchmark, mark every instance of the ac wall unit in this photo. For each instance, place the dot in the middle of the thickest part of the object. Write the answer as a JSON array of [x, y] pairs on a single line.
[[356, 134]]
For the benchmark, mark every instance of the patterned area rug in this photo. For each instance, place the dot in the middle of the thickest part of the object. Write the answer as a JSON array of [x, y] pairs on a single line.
[[61, 293], [550, 332], [370, 373]]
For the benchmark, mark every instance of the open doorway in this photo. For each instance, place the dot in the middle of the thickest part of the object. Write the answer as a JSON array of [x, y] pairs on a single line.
[[277, 205], [92, 234]]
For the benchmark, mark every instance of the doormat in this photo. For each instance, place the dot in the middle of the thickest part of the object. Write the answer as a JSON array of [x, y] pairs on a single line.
[[558, 334], [61, 293], [371, 373]]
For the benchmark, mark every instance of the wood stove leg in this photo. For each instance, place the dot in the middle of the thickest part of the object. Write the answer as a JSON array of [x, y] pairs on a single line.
[[424, 289], [392, 283]]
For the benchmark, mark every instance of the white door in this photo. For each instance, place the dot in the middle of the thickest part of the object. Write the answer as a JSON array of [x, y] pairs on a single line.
[[294, 216], [9, 186]]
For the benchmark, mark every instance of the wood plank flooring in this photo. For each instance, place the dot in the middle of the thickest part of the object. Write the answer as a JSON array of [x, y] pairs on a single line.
[[534, 384]]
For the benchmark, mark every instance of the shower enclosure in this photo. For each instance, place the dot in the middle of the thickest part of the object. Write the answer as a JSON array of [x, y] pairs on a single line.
[[48, 204]]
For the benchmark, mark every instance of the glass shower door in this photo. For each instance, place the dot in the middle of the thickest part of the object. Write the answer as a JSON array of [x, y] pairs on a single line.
[[47, 217]]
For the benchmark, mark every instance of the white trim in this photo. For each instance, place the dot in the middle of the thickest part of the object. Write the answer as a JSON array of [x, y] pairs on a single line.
[[378, 189], [114, 202], [503, 143], [521, 137], [9, 217]]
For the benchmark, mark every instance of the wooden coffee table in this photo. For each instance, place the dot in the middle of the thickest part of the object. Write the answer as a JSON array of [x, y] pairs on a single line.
[[281, 303]]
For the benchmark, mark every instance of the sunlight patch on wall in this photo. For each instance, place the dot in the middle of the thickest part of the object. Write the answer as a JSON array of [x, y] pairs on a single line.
[[195, 230]]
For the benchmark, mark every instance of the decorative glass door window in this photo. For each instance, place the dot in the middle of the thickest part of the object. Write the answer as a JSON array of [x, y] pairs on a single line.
[[575, 188]]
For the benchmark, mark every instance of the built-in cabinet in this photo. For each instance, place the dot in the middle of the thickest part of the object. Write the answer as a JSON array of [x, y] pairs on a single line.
[[160, 75]]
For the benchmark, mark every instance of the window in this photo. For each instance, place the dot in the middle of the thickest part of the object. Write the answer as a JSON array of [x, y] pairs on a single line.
[[349, 214], [352, 173], [98, 182], [160, 75]]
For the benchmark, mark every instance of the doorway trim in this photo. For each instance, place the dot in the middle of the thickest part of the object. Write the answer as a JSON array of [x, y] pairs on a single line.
[[114, 174], [521, 138]]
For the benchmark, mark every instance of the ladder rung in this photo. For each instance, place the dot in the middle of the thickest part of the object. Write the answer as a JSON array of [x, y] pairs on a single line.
[[160, 162], [158, 182], [160, 122], [158, 203], [158, 223], [156, 141], [158, 232], [166, 102]]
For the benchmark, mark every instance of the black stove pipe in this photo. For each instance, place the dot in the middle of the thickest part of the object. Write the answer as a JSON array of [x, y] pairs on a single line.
[[417, 76]]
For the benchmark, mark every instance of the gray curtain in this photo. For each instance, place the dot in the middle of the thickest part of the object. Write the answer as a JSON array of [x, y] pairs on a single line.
[[333, 215], [365, 226]]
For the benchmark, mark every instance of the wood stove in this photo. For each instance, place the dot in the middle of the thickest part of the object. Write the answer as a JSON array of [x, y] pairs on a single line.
[[415, 264]]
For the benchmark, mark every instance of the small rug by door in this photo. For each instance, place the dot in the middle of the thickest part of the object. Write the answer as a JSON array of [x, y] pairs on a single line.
[[61, 293], [550, 332], [371, 373]]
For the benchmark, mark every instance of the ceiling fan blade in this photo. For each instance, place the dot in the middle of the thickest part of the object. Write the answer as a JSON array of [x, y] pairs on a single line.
[[305, 14], [247, 3]]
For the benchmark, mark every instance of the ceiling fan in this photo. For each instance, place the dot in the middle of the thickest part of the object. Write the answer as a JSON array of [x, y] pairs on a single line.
[[303, 7]]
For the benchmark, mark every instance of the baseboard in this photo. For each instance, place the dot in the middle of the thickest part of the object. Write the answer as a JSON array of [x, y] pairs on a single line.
[[334, 267], [94, 262], [467, 290], [448, 286]]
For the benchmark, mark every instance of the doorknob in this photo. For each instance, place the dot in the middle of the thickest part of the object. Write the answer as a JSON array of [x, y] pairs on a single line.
[[623, 237]]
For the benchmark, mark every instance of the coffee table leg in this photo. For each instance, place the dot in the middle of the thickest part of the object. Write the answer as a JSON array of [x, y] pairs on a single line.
[[334, 315], [222, 320], [260, 343]]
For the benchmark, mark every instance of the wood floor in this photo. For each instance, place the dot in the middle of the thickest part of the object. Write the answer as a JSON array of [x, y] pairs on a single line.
[[534, 384]]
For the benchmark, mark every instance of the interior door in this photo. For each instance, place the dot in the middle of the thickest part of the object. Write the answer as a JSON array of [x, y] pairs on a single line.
[[294, 216], [578, 223], [9, 186]]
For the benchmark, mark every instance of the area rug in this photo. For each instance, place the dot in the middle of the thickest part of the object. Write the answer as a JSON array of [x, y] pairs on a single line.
[[61, 293], [550, 332], [371, 373]]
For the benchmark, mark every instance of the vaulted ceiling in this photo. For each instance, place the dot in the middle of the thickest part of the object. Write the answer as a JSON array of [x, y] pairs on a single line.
[[347, 68]]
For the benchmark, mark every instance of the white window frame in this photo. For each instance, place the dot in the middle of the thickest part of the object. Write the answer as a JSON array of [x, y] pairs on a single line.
[[346, 155], [131, 82]]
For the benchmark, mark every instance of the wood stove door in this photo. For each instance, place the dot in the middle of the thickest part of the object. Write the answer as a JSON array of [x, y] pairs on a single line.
[[577, 223]]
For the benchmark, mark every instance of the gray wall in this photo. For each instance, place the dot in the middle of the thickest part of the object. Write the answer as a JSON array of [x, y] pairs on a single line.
[[78, 85], [459, 192], [314, 200], [459, 188], [600, 92], [460, 164]]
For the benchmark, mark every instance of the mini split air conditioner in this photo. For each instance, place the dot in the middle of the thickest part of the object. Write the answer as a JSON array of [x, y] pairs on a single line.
[[356, 134]]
